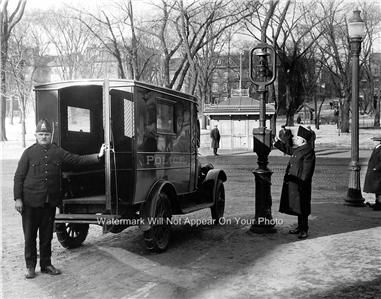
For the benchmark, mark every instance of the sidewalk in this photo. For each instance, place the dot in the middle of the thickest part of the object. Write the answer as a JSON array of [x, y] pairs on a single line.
[[340, 259], [329, 143]]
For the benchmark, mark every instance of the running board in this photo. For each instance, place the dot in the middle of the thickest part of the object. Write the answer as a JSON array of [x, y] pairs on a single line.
[[100, 199], [85, 218]]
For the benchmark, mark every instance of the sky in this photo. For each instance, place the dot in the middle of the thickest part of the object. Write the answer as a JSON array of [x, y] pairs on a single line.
[[139, 6], [46, 4]]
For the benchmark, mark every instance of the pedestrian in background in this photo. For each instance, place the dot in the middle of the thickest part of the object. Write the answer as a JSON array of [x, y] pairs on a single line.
[[373, 175], [313, 137], [297, 185], [37, 193], [215, 135]]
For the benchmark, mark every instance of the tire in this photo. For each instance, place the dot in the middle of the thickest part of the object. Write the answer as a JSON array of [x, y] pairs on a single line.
[[71, 235], [218, 208], [158, 236]]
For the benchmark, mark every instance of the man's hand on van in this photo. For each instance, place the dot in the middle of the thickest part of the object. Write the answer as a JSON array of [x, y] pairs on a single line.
[[102, 151]]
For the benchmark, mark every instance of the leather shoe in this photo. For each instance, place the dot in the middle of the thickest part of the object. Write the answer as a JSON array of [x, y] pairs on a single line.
[[30, 273], [294, 231], [51, 270], [303, 235]]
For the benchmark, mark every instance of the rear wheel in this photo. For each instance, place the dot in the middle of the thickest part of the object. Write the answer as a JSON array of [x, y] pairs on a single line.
[[158, 236], [218, 208], [71, 235]]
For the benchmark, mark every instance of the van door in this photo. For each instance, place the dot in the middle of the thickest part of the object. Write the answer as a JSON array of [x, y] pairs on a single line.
[[122, 142]]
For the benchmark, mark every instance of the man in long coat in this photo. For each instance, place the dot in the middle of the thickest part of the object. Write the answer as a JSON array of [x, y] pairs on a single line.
[[297, 184], [215, 135], [373, 175], [37, 193]]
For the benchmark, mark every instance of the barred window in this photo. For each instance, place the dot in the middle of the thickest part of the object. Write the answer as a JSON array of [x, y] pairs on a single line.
[[129, 123]]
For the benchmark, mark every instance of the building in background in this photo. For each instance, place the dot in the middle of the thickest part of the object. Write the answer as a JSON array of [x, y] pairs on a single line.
[[236, 117]]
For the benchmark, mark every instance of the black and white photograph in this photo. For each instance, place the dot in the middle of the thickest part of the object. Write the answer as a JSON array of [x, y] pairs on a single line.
[[193, 149]]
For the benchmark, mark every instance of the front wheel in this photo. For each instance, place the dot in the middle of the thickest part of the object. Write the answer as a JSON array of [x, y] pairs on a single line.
[[158, 236], [71, 235], [218, 208]]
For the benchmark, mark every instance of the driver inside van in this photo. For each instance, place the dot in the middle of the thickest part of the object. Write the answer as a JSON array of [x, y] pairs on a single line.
[[182, 141]]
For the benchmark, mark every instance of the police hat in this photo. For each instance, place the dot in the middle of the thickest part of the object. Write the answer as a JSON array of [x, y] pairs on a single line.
[[304, 133], [43, 126]]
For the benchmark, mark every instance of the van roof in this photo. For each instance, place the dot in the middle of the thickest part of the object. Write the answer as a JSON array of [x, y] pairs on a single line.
[[113, 83]]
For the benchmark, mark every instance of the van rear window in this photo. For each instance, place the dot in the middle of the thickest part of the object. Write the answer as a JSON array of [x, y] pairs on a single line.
[[78, 119]]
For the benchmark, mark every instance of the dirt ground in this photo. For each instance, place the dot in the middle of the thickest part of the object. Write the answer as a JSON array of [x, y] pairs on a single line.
[[340, 259]]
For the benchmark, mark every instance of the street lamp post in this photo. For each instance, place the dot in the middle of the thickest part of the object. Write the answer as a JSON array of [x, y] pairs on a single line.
[[262, 76], [356, 29]]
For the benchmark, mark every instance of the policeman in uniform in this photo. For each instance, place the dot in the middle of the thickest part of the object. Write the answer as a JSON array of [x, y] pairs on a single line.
[[297, 184], [373, 175], [37, 193]]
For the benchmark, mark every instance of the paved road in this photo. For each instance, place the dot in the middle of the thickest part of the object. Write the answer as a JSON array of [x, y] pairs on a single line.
[[340, 259]]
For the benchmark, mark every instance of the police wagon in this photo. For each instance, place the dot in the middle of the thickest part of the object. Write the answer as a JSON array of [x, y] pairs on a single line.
[[150, 170]]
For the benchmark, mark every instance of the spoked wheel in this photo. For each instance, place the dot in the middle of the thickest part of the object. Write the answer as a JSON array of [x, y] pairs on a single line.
[[158, 236], [219, 202], [71, 235]]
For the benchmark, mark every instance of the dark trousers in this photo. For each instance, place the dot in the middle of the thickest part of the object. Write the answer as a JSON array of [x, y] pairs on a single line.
[[303, 223], [215, 150], [41, 219]]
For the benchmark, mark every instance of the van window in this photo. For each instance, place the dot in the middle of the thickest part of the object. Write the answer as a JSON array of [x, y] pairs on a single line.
[[78, 119], [165, 115]]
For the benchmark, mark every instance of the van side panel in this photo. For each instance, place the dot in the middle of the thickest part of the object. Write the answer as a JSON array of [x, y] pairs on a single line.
[[163, 141]]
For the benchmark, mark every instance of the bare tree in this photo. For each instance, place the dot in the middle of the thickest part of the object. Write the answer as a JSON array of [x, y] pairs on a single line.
[[194, 26], [287, 26], [7, 23], [334, 44], [162, 28], [71, 40], [206, 63], [372, 16], [257, 25], [25, 58], [118, 35]]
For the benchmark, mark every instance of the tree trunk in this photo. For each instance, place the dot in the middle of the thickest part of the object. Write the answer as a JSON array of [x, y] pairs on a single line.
[[289, 113], [345, 115], [3, 135], [377, 111], [289, 119], [23, 128], [11, 111], [273, 98], [318, 114]]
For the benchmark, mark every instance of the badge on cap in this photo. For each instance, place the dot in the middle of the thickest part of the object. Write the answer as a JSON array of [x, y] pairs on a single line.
[[43, 126]]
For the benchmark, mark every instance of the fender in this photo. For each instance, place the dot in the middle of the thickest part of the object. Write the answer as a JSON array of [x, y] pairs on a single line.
[[147, 209], [212, 176]]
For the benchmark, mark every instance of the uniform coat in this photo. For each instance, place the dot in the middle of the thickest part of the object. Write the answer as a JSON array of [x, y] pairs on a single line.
[[373, 175], [297, 184], [215, 135], [37, 178]]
